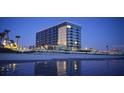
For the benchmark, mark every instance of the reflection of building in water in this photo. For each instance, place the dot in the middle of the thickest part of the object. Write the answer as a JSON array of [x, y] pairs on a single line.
[[61, 68], [68, 67], [6, 69], [73, 67], [46, 68]]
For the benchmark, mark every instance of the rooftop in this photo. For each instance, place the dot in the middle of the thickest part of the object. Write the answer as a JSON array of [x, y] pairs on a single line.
[[61, 24]]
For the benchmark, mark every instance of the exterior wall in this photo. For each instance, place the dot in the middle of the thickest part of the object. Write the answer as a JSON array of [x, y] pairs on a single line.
[[74, 37], [62, 39], [47, 37], [64, 34]]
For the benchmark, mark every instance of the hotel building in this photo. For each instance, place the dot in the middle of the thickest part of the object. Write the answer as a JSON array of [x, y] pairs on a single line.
[[65, 35]]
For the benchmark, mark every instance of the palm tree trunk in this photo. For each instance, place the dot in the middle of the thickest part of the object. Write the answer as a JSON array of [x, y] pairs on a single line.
[[17, 41], [0, 39]]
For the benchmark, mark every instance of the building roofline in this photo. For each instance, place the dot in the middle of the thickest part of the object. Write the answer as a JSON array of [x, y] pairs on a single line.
[[67, 21]]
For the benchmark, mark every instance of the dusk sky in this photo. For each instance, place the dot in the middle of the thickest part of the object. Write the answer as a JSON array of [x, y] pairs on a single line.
[[96, 32]]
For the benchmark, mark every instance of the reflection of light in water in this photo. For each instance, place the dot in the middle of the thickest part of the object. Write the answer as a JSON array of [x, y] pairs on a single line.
[[2, 68], [14, 67], [45, 63], [75, 65], [61, 68], [64, 63], [9, 67]]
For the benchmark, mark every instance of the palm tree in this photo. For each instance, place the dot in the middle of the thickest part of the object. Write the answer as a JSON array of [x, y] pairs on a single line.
[[0, 38], [107, 47], [17, 39], [3, 36], [13, 45], [12, 41], [7, 33]]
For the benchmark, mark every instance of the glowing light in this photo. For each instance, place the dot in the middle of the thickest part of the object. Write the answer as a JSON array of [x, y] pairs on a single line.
[[75, 42], [62, 36], [11, 44], [4, 41], [14, 66], [68, 26], [6, 46], [64, 63], [75, 65]]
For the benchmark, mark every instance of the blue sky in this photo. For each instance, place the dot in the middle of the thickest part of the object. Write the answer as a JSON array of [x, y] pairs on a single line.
[[97, 32]]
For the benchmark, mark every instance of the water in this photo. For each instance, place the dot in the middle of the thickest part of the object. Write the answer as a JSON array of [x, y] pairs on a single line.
[[67, 67]]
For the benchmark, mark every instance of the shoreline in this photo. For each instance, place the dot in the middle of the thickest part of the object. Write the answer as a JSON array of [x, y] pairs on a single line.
[[88, 59], [55, 56]]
